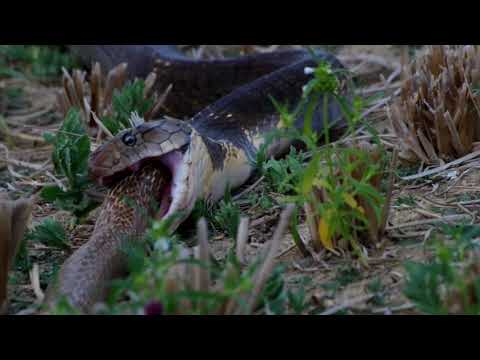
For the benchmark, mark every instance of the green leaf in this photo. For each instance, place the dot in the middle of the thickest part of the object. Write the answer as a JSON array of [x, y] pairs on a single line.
[[112, 125], [307, 125], [70, 158], [422, 287], [72, 148], [309, 175], [50, 233], [49, 138], [51, 193]]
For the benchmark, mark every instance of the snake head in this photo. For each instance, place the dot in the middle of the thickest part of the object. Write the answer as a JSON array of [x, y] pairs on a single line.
[[162, 143], [130, 149]]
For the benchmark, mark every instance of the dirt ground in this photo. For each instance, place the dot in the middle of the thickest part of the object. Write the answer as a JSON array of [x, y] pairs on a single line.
[[337, 284]]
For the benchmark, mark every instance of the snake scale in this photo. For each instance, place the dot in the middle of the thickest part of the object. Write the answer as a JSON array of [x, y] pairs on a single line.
[[177, 162]]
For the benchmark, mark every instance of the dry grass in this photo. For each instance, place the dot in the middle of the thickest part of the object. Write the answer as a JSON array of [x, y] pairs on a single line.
[[436, 116], [187, 275], [94, 96]]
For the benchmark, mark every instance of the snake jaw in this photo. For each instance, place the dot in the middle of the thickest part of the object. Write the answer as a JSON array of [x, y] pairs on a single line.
[[189, 170], [169, 165], [175, 195], [162, 143]]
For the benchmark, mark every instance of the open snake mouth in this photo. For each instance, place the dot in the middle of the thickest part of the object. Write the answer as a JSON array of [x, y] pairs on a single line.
[[168, 166]]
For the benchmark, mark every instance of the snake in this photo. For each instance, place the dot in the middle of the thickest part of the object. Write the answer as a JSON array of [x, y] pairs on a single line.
[[216, 119]]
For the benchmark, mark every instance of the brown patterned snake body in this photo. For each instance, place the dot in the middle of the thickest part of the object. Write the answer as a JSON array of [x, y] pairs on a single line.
[[123, 217]]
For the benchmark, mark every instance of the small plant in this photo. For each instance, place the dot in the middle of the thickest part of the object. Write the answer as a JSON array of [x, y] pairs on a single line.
[[406, 170], [201, 209], [23, 262], [377, 289], [49, 274], [340, 187], [11, 98], [40, 62], [297, 300], [263, 199], [227, 215], [70, 159], [63, 307], [331, 288], [50, 233], [130, 100], [344, 205], [278, 300], [284, 174], [450, 282], [347, 275], [110, 101], [344, 276], [408, 200], [223, 216], [273, 298]]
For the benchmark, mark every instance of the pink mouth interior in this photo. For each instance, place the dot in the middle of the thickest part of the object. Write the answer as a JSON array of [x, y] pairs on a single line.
[[168, 162], [165, 201]]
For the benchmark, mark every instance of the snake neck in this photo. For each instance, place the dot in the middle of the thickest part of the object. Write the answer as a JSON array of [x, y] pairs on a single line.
[[202, 176], [129, 206], [84, 278]]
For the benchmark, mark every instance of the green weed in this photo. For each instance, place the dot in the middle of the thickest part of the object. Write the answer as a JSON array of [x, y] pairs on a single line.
[[70, 159], [151, 288], [39, 62], [339, 187], [23, 262], [408, 200], [450, 282], [347, 275], [50, 233], [226, 217], [377, 288], [130, 100], [283, 175], [263, 200]]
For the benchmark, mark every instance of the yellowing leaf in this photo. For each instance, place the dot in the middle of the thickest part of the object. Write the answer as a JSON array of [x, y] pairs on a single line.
[[324, 233], [350, 200], [321, 183], [309, 175]]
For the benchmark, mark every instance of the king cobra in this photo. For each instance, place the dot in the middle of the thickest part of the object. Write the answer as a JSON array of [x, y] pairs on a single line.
[[229, 106]]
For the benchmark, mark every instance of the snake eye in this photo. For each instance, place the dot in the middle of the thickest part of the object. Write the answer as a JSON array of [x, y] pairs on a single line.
[[129, 139]]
